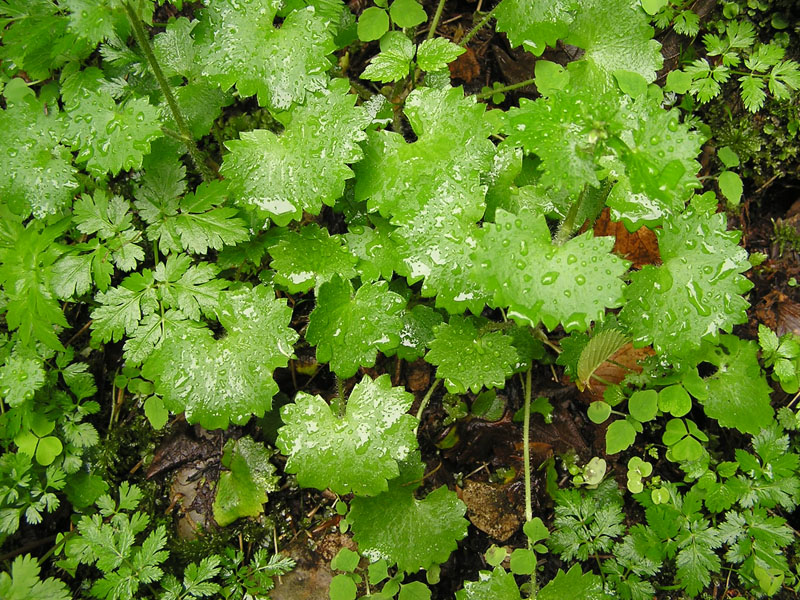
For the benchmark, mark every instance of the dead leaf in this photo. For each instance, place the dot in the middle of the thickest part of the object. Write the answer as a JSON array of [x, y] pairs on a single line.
[[640, 247], [490, 510], [627, 356], [788, 316], [465, 67]]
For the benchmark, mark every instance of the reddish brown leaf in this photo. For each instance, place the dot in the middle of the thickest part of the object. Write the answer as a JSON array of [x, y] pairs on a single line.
[[627, 356], [465, 67], [640, 247]]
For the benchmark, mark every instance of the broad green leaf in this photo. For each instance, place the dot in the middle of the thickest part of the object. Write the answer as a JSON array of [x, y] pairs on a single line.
[[306, 165], [391, 525], [355, 452], [730, 184], [738, 394], [305, 259], [536, 280], [619, 436], [372, 24], [175, 50], [436, 53], [36, 176], [109, 137], [470, 359], [644, 404], [616, 34], [417, 332], [238, 44], [452, 149], [497, 584], [20, 377], [674, 400], [375, 249], [599, 411], [696, 291], [394, 60], [242, 489], [573, 584], [217, 381], [348, 329], [407, 13], [533, 24]]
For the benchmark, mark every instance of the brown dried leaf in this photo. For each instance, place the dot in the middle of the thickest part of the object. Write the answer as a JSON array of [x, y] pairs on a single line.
[[465, 67], [788, 316], [640, 247], [627, 356], [490, 510]]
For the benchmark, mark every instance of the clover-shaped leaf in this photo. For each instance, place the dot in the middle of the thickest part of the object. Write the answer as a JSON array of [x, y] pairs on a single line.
[[217, 381], [306, 165], [391, 525], [354, 452], [470, 359], [349, 329], [571, 284], [696, 291]]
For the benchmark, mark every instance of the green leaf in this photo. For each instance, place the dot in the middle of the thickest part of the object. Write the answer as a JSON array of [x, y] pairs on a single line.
[[242, 489], [452, 149], [535, 25], [572, 283], [349, 329], [372, 24], [600, 349], [631, 83], [497, 585], [238, 44], [730, 184], [696, 291], [674, 400], [651, 7], [619, 436], [345, 560], [306, 165], [523, 561], [417, 332], [20, 377], [598, 412], [573, 584], [643, 405], [110, 137], [678, 81], [23, 582], [391, 525], [220, 381], [738, 394], [728, 157], [697, 559], [753, 93], [470, 359], [155, 411], [343, 588], [306, 259], [436, 53], [328, 451], [36, 176], [175, 50], [550, 77], [407, 13], [416, 590], [375, 249], [394, 60]]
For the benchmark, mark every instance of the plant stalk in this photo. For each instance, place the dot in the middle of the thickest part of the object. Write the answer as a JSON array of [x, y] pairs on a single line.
[[144, 43], [567, 226], [526, 449], [427, 398], [436, 17], [505, 88], [471, 33]]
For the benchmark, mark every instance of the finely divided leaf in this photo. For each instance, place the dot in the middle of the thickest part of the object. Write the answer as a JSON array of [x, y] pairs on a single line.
[[356, 452]]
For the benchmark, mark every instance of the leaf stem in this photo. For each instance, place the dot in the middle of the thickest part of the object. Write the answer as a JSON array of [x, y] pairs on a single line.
[[471, 33], [427, 398], [505, 88], [526, 457], [143, 40], [567, 226], [436, 17]]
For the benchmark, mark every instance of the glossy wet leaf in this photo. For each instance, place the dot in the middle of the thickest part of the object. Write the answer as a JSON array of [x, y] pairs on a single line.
[[497, 584], [394, 60], [217, 381], [437, 53], [412, 533], [417, 332], [573, 584], [535, 25], [20, 377], [538, 281], [357, 451], [349, 328], [242, 489], [696, 291], [237, 43], [469, 359]]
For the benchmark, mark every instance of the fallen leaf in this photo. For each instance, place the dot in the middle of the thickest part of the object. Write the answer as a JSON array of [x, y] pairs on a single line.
[[640, 247], [465, 67]]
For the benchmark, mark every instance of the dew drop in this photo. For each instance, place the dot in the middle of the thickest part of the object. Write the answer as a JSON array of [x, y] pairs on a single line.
[[550, 277]]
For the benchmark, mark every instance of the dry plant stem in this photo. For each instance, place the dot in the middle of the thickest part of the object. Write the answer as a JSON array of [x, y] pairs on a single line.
[[185, 133], [486, 18]]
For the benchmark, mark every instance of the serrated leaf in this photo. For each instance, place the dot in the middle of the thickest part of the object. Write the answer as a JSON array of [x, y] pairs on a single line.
[[535, 25], [328, 451], [20, 377], [23, 582], [394, 60], [36, 176], [110, 137], [390, 525], [468, 359], [697, 559], [306, 165], [417, 332], [753, 93], [599, 349], [175, 50], [497, 584], [242, 489], [375, 249], [238, 44], [220, 381], [571, 284], [305, 259], [573, 584], [696, 291], [436, 53], [349, 329], [451, 151]]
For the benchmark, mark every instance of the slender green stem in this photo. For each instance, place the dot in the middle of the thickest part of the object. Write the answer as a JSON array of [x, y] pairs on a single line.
[[427, 398], [340, 387], [486, 18], [526, 449], [568, 224], [505, 88], [143, 40], [435, 23]]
